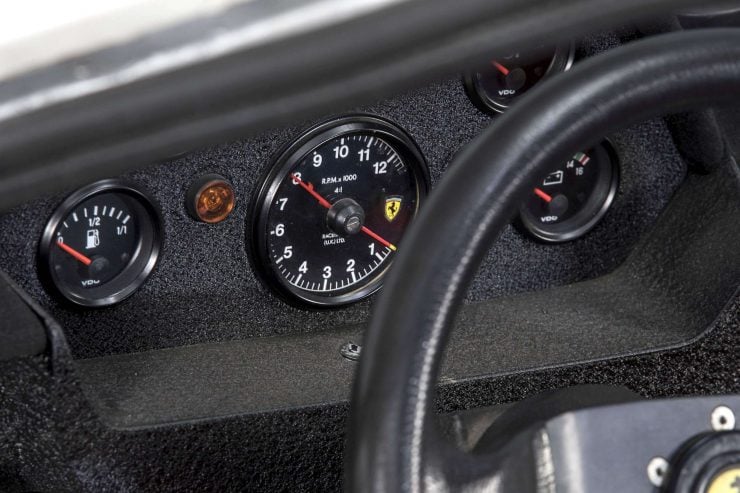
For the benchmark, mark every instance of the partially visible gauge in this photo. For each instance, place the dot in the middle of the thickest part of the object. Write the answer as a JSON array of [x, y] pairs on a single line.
[[331, 212], [573, 197], [495, 87], [101, 243]]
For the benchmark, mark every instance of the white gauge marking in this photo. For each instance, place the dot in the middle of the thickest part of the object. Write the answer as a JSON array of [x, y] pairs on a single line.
[[379, 255], [74, 216], [125, 220], [319, 288]]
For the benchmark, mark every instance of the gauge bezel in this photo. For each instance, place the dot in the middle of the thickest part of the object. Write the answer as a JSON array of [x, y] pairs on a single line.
[[562, 61], [138, 270], [278, 171], [576, 227]]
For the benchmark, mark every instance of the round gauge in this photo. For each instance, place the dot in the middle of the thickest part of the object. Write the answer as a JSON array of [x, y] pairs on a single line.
[[331, 213], [495, 87], [573, 197], [101, 244]]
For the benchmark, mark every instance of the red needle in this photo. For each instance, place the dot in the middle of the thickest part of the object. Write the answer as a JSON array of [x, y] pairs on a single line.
[[500, 67], [377, 238], [325, 203], [77, 255], [309, 188], [543, 195]]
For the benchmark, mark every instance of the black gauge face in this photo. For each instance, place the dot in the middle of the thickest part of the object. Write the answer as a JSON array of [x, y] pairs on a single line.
[[101, 244], [333, 210], [573, 197], [495, 87]]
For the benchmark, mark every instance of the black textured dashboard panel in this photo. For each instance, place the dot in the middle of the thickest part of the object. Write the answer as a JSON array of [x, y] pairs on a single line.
[[204, 290], [66, 447], [668, 291], [53, 439]]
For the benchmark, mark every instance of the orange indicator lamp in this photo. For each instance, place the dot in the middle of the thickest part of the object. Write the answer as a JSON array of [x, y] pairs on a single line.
[[210, 199]]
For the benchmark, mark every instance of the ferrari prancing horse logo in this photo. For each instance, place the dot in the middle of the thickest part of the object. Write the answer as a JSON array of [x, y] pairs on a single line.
[[392, 207]]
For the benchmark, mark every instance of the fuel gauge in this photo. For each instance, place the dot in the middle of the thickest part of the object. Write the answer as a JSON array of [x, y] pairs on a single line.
[[101, 244], [573, 197]]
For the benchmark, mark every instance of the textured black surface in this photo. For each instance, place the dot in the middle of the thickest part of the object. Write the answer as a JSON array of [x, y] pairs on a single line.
[[21, 331], [666, 293], [204, 290], [51, 440]]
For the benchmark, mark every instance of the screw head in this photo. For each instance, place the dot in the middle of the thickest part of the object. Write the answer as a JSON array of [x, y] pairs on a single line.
[[353, 225], [722, 419], [351, 351], [657, 471]]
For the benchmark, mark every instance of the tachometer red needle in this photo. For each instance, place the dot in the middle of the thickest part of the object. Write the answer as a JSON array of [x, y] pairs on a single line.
[[544, 196], [500, 67], [325, 203], [379, 239], [77, 255], [309, 188]]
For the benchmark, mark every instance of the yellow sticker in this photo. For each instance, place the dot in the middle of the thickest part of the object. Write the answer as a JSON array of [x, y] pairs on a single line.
[[392, 207], [728, 481]]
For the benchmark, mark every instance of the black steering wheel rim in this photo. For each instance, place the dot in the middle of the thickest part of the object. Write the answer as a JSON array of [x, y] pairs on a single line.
[[394, 444]]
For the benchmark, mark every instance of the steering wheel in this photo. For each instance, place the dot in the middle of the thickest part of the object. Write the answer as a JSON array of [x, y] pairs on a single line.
[[394, 443]]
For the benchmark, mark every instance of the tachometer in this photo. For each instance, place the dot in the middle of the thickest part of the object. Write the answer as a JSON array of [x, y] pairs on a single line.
[[101, 243], [331, 213]]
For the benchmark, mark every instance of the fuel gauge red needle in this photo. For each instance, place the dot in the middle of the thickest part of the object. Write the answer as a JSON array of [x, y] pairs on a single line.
[[325, 203], [74, 253]]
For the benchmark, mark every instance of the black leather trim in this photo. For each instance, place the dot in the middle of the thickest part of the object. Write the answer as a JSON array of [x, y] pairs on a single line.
[[394, 444]]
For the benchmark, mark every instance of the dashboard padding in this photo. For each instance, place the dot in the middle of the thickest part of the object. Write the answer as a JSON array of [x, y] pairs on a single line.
[[204, 289]]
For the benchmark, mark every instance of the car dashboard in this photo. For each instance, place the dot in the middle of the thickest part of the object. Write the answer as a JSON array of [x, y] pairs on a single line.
[[212, 347]]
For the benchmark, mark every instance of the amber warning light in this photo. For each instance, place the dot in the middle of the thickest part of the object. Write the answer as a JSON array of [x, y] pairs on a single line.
[[210, 199]]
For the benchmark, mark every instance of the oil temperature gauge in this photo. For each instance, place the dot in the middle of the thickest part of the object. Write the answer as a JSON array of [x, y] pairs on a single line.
[[573, 197], [101, 244]]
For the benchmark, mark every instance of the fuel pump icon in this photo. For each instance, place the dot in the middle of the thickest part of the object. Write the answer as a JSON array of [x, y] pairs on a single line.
[[93, 239]]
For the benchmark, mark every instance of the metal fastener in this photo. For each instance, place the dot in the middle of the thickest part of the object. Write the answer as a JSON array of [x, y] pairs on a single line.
[[657, 470], [351, 351], [722, 419]]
